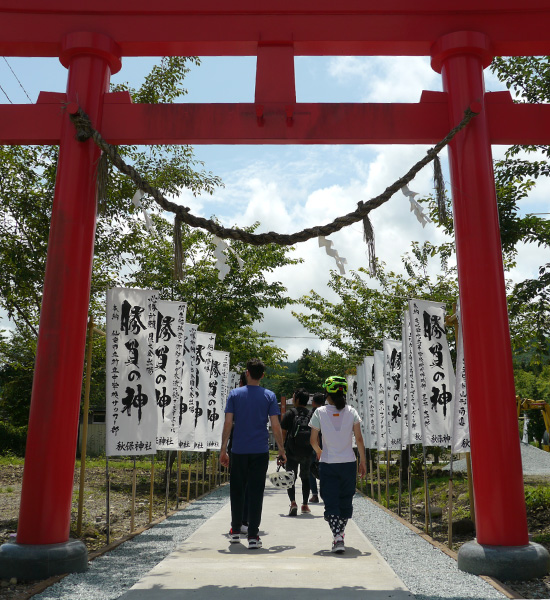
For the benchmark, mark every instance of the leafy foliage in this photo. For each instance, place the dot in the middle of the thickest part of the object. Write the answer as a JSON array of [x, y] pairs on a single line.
[[369, 309]]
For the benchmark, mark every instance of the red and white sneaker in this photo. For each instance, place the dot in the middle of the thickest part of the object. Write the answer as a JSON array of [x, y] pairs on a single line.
[[234, 537], [254, 542]]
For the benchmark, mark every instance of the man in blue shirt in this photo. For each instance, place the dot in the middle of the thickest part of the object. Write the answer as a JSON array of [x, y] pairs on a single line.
[[249, 408]]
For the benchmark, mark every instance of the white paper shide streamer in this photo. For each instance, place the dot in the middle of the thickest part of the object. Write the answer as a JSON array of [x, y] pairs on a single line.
[[461, 424], [434, 371], [203, 364], [131, 417], [328, 246], [169, 338], [392, 377], [217, 394], [186, 407]]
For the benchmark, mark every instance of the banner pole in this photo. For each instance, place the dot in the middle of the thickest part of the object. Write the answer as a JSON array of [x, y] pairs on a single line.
[[151, 488], [450, 524], [108, 499], [470, 488], [427, 511], [197, 475], [84, 436], [188, 477], [133, 506], [400, 484], [378, 474], [178, 491], [167, 473], [409, 480], [387, 477], [203, 471], [370, 473], [209, 467]]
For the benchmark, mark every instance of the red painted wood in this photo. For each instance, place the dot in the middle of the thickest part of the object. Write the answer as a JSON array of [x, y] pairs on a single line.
[[420, 123], [501, 518], [219, 28], [46, 494]]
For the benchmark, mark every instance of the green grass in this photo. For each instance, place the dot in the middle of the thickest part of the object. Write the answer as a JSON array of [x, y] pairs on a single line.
[[537, 497]]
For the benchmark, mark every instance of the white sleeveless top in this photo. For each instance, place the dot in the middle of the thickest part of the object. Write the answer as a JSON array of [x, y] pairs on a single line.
[[336, 425]]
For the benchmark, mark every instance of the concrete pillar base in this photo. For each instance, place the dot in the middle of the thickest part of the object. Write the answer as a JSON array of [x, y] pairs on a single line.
[[507, 563], [28, 562]]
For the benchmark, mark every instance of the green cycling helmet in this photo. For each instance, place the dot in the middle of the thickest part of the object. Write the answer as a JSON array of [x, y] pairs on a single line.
[[334, 384]]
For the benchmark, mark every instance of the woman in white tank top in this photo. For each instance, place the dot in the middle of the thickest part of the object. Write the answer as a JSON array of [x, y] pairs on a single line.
[[337, 467]]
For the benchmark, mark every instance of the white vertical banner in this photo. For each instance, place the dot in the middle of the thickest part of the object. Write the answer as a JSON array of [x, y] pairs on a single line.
[[351, 395], [169, 339], [362, 398], [203, 364], [233, 382], [392, 376], [186, 407], [380, 399], [461, 424], [370, 415], [217, 395], [404, 386], [131, 415], [415, 429], [434, 371]]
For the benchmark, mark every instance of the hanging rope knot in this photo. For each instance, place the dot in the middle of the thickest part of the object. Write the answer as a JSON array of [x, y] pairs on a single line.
[[83, 125], [368, 235], [178, 248]]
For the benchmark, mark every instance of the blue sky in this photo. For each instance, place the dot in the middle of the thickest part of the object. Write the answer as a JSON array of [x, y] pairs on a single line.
[[288, 188]]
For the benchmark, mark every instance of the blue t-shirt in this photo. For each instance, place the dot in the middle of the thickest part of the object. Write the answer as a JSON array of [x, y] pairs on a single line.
[[251, 405]]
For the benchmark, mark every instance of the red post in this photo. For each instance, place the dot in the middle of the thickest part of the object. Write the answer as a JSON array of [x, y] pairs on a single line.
[[496, 458], [46, 495]]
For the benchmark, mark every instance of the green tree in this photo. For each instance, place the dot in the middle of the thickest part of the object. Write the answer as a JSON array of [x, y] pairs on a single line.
[[365, 315], [124, 253]]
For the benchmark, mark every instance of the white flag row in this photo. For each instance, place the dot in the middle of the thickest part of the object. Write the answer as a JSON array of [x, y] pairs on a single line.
[[166, 385], [407, 393]]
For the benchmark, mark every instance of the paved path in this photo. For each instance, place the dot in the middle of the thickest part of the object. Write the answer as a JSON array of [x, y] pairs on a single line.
[[295, 562]]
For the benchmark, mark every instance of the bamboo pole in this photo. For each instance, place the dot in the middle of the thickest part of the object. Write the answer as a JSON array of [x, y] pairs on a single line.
[[203, 471], [178, 489], [400, 484], [133, 505], [84, 436], [378, 473], [370, 473], [197, 475], [387, 478], [470, 488], [450, 519], [409, 480], [427, 511], [151, 488], [108, 500], [167, 473], [189, 478]]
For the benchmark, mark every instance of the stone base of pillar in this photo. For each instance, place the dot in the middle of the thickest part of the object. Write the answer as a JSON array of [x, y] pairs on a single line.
[[507, 563], [28, 562]]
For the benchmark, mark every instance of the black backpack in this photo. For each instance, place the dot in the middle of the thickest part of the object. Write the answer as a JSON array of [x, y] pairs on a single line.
[[300, 434]]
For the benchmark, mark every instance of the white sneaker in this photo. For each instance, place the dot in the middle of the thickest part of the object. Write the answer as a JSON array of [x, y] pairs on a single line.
[[244, 529], [338, 544], [254, 543]]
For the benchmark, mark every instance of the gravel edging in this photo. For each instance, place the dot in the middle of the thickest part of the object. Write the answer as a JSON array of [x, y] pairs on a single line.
[[111, 575], [426, 571]]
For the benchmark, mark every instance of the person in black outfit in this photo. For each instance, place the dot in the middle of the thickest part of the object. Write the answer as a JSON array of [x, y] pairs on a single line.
[[297, 447], [317, 401]]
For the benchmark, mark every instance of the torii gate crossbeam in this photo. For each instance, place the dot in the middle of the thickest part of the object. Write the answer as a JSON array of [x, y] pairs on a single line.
[[92, 38]]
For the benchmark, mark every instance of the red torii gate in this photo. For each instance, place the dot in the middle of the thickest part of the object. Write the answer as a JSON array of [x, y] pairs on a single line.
[[91, 38]]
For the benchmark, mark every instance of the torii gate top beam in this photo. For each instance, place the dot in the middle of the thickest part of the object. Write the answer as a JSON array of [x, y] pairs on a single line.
[[236, 28]]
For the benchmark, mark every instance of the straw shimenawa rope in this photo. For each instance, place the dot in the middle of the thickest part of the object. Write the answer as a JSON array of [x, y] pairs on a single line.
[[85, 131]]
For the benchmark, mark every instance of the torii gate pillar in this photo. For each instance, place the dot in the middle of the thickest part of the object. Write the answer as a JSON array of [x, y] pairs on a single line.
[[43, 547], [503, 552]]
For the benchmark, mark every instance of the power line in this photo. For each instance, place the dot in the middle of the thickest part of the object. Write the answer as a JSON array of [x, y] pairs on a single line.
[[5, 94], [20, 84]]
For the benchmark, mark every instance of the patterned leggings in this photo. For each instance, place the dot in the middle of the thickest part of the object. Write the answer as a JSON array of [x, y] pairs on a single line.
[[337, 524]]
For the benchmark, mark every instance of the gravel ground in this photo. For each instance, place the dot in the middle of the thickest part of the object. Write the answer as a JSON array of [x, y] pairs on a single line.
[[534, 460], [425, 570]]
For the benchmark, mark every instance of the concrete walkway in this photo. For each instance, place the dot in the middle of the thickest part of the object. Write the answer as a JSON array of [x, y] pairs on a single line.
[[295, 562]]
